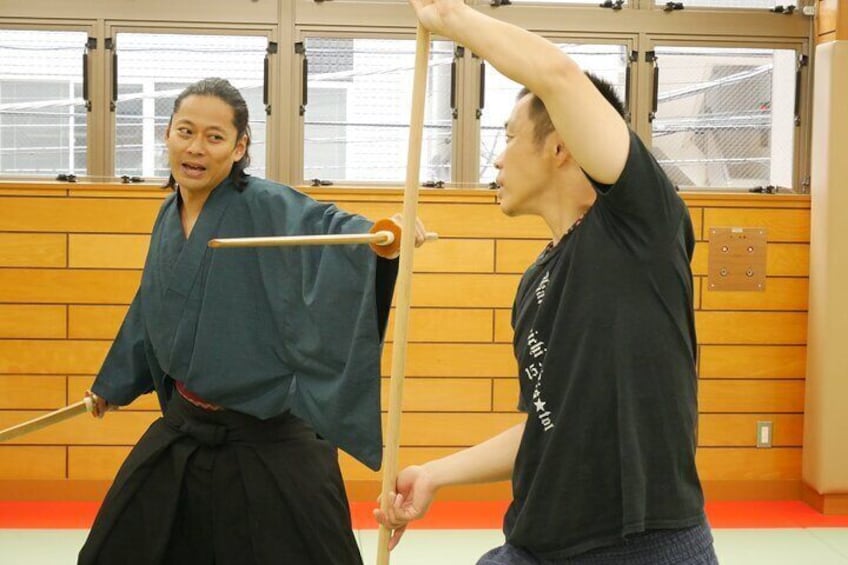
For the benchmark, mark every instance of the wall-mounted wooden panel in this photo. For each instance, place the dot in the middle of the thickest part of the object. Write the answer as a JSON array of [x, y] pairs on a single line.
[[102, 251], [54, 286], [32, 462], [442, 395], [763, 328], [740, 430], [446, 325], [32, 321], [33, 250], [54, 357], [24, 392], [781, 225], [779, 294], [751, 396], [455, 360], [753, 361], [456, 256], [95, 322], [78, 215]]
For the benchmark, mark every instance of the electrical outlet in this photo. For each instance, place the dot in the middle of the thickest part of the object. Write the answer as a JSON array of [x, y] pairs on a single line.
[[765, 431]]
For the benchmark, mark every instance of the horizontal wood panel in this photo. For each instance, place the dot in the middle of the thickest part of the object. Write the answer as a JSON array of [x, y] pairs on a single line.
[[766, 328], [740, 430], [782, 259], [454, 360], [464, 291], [96, 251], [442, 395], [32, 321], [78, 385], [85, 215], [753, 361], [505, 395], [67, 286], [446, 325], [444, 430], [779, 294], [456, 256], [749, 464], [31, 462], [781, 225], [33, 250], [32, 391], [95, 462], [95, 322], [751, 396], [515, 255], [41, 357], [116, 428], [503, 326]]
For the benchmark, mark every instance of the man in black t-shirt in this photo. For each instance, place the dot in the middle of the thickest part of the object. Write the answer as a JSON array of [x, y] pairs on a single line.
[[603, 467]]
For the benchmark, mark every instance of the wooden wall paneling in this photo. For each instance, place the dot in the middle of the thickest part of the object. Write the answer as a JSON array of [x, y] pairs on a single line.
[[107, 251], [95, 321], [32, 462], [33, 250], [753, 361], [66, 286], [763, 328], [27, 392], [32, 321], [442, 395], [446, 325], [751, 396], [43, 357]]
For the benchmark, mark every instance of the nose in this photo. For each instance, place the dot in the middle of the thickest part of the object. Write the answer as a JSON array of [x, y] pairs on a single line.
[[196, 146], [499, 161]]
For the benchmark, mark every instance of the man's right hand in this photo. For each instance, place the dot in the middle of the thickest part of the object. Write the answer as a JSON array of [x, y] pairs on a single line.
[[414, 494], [100, 405]]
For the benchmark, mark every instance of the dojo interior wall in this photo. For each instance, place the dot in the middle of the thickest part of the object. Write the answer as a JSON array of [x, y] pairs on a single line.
[[70, 261]]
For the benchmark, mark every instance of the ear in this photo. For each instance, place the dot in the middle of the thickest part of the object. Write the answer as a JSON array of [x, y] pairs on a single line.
[[558, 150], [240, 149]]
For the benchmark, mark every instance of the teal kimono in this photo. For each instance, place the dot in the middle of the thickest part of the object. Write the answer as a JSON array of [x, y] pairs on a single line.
[[260, 331]]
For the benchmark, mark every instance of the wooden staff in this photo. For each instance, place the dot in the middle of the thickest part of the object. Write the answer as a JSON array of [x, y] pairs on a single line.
[[60, 415], [404, 284]]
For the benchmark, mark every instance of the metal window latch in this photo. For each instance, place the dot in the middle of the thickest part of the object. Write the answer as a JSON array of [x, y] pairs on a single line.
[[433, 184], [321, 182], [614, 5], [497, 3], [126, 179], [786, 11], [493, 185], [66, 178], [670, 6], [769, 189]]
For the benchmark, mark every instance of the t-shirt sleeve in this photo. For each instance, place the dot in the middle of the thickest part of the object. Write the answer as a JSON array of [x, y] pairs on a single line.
[[643, 205]]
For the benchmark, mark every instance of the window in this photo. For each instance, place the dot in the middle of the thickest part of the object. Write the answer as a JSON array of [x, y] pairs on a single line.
[[726, 117], [153, 68], [357, 110], [42, 113], [608, 62], [750, 4]]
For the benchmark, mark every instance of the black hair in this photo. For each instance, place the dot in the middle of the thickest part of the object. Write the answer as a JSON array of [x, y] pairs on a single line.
[[542, 125], [222, 89]]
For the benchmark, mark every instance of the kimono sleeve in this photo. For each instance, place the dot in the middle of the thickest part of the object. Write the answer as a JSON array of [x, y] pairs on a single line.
[[125, 373]]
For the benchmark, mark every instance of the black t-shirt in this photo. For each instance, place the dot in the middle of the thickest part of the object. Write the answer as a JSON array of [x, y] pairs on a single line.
[[605, 342]]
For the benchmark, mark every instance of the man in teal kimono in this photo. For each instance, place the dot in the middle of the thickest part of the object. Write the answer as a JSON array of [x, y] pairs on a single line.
[[263, 359]]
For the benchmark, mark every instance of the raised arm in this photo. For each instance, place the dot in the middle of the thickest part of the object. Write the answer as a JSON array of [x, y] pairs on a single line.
[[591, 129]]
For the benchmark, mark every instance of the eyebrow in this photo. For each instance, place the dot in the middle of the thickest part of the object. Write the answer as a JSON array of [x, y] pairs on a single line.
[[189, 122]]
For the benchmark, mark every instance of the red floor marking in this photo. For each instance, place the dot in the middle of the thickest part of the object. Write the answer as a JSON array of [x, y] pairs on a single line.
[[445, 515]]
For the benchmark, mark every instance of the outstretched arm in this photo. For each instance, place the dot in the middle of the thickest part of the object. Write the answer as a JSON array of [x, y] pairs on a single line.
[[416, 486], [592, 131]]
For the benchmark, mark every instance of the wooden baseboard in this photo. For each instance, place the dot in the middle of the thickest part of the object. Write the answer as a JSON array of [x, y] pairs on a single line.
[[828, 504], [752, 490]]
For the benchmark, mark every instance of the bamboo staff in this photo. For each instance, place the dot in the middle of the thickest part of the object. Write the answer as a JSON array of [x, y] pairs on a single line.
[[60, 415], [404, 283]]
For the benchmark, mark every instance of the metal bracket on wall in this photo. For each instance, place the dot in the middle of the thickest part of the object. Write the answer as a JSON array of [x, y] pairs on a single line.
[[737, 259]]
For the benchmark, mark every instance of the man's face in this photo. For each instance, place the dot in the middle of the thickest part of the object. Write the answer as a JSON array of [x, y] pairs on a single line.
[[202, 143], [523, 171]]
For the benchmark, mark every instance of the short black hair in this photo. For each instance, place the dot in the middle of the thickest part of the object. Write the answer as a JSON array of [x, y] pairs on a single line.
[[222, 89], [542, 124]]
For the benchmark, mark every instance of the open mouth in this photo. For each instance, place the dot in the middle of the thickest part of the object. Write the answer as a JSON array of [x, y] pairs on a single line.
[[193, 170]]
